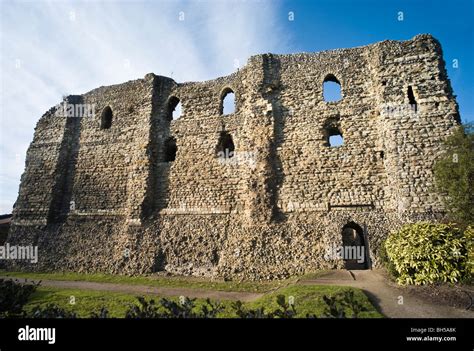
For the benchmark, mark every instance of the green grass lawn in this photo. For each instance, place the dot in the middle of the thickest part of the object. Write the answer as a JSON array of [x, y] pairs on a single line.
[[85, 301], [307, 299], [157, 281]]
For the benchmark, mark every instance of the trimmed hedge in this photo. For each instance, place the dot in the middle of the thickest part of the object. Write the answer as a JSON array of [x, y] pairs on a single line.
[[425, 253]]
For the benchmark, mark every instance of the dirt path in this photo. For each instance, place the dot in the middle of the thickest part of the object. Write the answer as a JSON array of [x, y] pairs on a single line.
[[147, 290], [385, 295]]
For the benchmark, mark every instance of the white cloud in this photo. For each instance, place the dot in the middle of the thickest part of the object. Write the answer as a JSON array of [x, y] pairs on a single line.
[[50, 49]]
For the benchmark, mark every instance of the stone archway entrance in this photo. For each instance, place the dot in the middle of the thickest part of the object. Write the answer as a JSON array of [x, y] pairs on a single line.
[[355, 253]]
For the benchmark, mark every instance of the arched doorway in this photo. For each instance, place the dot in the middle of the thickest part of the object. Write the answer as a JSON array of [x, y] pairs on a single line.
[[354, 252]]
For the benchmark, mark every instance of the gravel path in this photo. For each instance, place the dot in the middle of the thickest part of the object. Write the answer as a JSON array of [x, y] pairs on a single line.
[[386, 296], [147, 290]]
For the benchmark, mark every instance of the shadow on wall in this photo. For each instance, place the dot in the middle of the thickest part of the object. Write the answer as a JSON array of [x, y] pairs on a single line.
[[280, 113], [62, 202], [5, 221]]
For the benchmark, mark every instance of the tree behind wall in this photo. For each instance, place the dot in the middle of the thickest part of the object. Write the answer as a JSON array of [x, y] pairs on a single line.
[[454, 175]]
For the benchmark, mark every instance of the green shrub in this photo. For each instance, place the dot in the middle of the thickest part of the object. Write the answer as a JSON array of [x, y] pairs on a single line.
[[284, 310], [387, 263], [102, 314], [170, 309], [13, 296], [337, 305], [424, 253], [50, 311]]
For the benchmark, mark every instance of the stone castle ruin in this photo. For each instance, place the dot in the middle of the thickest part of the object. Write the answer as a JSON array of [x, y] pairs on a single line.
[[256, 194]]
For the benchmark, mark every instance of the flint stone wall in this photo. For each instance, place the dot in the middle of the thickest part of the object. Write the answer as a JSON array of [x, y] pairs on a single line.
[[106, 200]]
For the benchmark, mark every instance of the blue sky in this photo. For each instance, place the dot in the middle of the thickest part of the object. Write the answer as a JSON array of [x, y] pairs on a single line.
[[54, 48]]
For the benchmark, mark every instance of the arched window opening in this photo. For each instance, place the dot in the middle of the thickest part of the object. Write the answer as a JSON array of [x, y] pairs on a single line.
[[106, 118], [174, 108], [331, 89], [227, 102], [170, 150], [225, 146], [411, 98], [354, 248]]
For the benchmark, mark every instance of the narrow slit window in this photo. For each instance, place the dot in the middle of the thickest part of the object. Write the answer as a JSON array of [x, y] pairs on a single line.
[[174, 108], [170, 149], [106, 118], [411, 98], [225, 146]]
